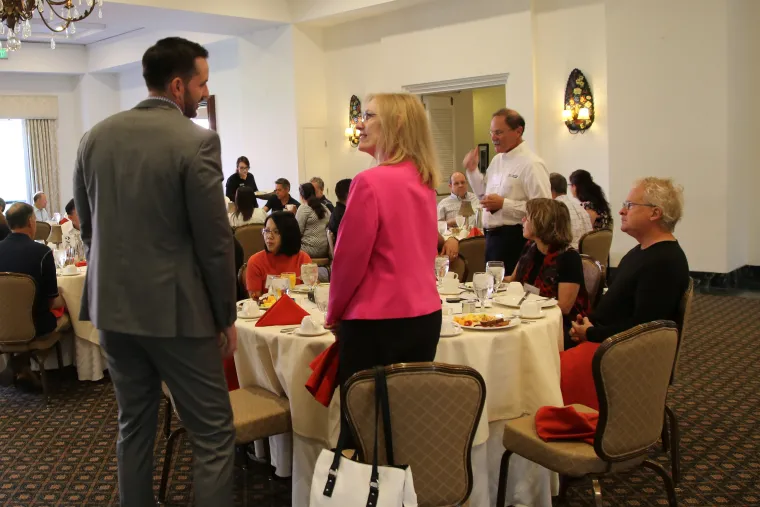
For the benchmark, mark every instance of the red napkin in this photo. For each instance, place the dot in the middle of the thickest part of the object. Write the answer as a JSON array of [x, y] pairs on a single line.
[[63, 221], [565, 423], [324, 377], [576, 379], [81, 264], [284, 312], [58, 312], [230, 373], [474, 232]]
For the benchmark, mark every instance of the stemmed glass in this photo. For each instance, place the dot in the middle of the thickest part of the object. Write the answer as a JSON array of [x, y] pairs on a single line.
[[322, 298], [441, 267], [482, 284], [496, 269], [310, 275], [60, 258], [460, 221], [442, 228]]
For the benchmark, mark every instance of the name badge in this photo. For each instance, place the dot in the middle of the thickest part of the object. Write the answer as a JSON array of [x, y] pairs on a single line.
[[531, 289]]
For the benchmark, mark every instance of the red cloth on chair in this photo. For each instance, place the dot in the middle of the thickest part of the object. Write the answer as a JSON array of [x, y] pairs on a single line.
[[81, 264], [285, 312], [565, 423], [324, 377], [58, 312], [230, 374], [576, 379]]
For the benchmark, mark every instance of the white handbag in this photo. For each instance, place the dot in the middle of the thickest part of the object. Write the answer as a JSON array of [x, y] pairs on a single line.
[[341, 482]]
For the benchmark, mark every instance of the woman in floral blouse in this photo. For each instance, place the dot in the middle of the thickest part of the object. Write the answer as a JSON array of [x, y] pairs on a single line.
[[592, 199]]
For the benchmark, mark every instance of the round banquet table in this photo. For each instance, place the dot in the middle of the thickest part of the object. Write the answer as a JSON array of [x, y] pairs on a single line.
[[520, 366], [89, 358]]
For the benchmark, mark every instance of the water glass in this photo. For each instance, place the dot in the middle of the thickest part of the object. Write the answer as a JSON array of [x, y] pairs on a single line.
[[482, 284], [441, 267], [310, 275], [496, 268], [460, 221], [60, 258], [291, 277], [322, 298], [280, 286], [443, 227]]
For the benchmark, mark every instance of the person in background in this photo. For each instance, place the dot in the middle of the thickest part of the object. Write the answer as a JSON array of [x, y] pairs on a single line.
[[342, 189], [2, 206], [72, 238], [241, 178], [448, 208], [319, 188], [40, 207], [592, 199], [160, 285], [281, 197], [239, 261], [579, 219], [313, 218], [384, 306], [549, 262], [4, 229], [282, 252], [515, 175], [246, 211]]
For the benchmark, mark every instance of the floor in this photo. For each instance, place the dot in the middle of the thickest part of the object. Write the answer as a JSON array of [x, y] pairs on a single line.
[[64, 454]]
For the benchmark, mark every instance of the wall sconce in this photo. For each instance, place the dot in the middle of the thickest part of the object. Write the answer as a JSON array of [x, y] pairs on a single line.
[[354, 114], [578, 110]]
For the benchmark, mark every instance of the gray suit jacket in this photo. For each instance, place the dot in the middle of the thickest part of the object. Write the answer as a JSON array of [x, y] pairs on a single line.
[[148, 190]]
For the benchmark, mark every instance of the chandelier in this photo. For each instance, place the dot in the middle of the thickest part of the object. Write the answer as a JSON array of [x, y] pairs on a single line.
[[60, 16]]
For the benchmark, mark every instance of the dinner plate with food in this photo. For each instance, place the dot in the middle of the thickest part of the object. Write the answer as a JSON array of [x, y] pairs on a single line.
[[486, 322], [266, 301]]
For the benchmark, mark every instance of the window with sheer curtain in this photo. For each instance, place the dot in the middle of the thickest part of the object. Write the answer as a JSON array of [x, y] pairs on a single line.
[[13, 167]]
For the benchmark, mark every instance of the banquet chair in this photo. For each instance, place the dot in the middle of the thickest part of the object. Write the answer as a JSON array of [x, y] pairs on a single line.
[[241, 277], [597, 244], [671, 435], [474, 252], [256, 414], [331, 242], [43, 231], [459, 266], [17, 331], [435, 409], [250, 238], [631, 372], [593, 277]]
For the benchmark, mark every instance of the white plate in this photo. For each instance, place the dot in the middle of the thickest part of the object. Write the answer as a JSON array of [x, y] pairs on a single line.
[[246, 317], [513, 322], [541, 315], [301, 289], [513, 301], [320, 333], [448, 293], [468, 286], [457, 332], [70, 274]]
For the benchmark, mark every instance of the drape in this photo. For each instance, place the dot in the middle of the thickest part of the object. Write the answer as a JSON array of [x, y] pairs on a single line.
[[41, 143]]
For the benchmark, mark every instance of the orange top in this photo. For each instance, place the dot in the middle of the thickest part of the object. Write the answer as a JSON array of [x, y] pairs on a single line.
[[264, 263]]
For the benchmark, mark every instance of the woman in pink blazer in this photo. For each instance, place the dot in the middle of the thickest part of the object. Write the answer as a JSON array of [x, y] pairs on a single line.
[[384, 306]]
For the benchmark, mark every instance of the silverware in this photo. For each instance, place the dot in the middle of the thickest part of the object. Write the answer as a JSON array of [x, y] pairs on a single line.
[[523, 299], [288, 330]]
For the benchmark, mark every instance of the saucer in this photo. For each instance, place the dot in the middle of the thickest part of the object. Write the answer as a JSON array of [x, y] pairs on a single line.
[[243, 316], [540, 315], [457, 331], [318, 333], [455, 292], [63, 273]]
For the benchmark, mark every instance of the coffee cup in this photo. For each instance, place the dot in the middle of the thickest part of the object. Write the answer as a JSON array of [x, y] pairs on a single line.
[[248, 308], [515, 288], [530, 310], [450, 285], [71, 269], [448, 327], [290, 207], [453, 275], [310, 326]]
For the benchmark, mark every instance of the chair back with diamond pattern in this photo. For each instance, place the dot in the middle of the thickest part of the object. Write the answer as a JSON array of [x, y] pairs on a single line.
[[684, 311], [593, 277], [16, 302], [474, 252], [435, 409], [631, 374]]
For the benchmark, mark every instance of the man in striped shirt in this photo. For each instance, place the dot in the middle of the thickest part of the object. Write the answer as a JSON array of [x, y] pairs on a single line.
[[448, 208]]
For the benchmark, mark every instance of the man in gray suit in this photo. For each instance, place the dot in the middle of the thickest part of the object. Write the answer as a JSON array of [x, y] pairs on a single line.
[[161, 278]]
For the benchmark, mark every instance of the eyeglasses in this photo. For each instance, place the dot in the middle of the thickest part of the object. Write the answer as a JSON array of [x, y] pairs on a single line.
[[366, 116], [270, 232], [628, 204], [495, 132]]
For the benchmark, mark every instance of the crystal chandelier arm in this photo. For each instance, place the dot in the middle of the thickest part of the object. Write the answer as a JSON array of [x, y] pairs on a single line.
[[67, 21]]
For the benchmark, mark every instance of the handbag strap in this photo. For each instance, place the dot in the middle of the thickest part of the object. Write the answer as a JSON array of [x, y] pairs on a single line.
[[380, 380]]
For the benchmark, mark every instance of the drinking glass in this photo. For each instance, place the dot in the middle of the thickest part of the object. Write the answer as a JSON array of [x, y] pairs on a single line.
[[442, 228], [310, 275], [496, 268], [268, 284], [60, 258], [322, 298], [441, 267], [280, 286], [460, 221], [291, 277], [56, 217], [482, 284]]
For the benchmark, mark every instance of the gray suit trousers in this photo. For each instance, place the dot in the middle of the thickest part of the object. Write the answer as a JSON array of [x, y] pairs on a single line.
[[192, 368]]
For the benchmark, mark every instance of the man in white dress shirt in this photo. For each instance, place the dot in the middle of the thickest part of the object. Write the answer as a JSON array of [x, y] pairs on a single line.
[[514, 176], [40, 205], [448, 208], [580, 221]]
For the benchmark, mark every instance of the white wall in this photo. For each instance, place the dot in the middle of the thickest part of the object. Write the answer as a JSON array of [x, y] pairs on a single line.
[[558, 50], [667, 114], [464, 126], [485, 102]]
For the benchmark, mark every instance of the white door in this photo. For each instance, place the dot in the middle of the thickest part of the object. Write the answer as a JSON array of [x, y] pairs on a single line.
[[440, 112]]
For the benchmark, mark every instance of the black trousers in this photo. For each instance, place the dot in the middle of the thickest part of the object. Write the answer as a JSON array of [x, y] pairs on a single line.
[[368, 343], [505, 244]]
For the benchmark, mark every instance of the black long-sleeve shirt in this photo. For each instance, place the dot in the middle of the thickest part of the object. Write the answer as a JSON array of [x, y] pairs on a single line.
[[648, 286], [235, 181]]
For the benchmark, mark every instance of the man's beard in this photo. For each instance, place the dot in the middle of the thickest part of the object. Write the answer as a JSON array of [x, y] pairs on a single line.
[[190, 108]]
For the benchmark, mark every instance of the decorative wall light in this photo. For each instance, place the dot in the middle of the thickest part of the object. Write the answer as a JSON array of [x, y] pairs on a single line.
[[354, 114], [578, 111]]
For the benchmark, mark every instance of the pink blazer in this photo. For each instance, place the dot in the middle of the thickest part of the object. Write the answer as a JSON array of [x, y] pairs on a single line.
[[384, 259]]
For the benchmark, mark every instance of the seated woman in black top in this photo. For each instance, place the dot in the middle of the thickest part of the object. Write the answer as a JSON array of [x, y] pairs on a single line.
[[241, 178], [592, 199], [549, 263]]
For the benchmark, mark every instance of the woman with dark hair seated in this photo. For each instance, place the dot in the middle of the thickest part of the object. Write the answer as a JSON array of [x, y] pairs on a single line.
[[592, 198], [312, 222], [549, 263], [282, 252], [246, 212]]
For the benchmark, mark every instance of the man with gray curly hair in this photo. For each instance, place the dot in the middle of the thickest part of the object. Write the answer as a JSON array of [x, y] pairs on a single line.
[[651, 279]]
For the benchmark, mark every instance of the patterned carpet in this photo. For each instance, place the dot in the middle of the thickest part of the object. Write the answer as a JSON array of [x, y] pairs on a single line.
[[64, 454]]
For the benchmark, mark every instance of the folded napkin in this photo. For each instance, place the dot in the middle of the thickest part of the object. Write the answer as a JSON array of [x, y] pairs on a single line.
[[230, 373], [58, 312], [566, 423], [285, 312], [474, 232], [324, 377], [81, 264]]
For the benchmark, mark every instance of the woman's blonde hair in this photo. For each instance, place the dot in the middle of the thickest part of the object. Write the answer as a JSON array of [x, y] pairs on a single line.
[[550, 221], [405, 134], [666, 195]]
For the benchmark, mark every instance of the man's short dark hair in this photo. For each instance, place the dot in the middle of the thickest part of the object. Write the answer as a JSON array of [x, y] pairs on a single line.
[[511, 117], [558, 183], [70, 207], [168, 59], [37, 196], [290, 233], [285, 183], [342, 188], [2, 204], [18, 215]]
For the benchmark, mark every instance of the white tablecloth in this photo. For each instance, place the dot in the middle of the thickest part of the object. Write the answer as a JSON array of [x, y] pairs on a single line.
[[520, 367], [90, 360]]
